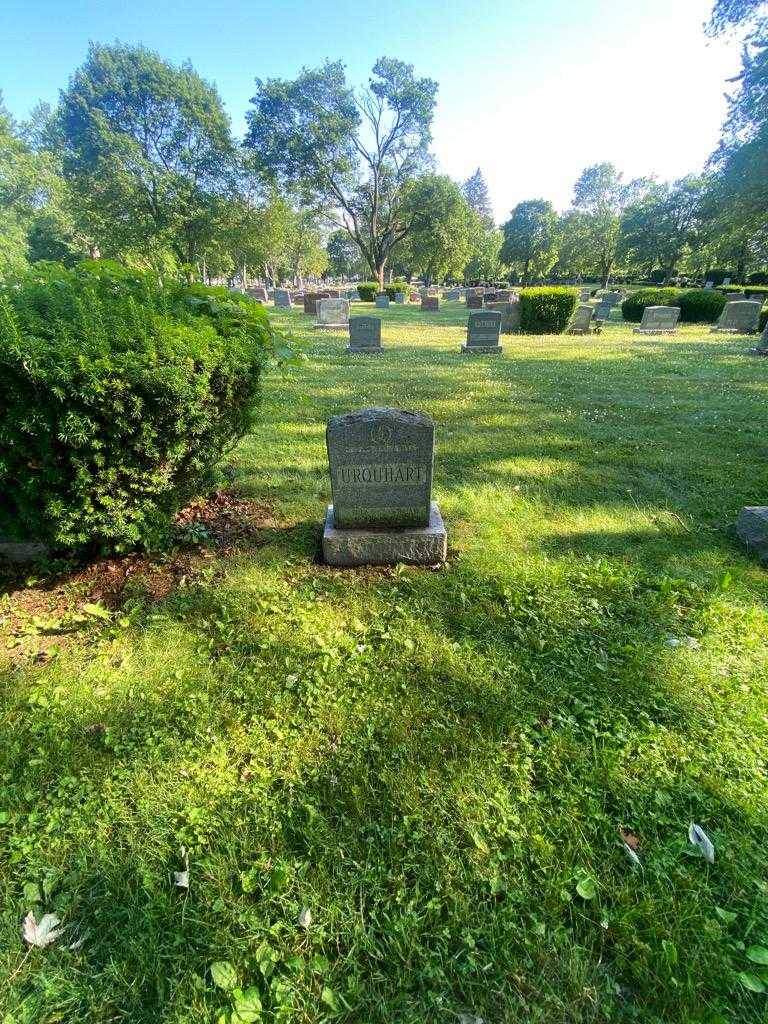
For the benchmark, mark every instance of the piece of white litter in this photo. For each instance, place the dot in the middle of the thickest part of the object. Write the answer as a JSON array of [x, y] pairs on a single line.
[[470, 1018], [631, 853], [305, 918], [181, 878], [699, 838], [43, 932]]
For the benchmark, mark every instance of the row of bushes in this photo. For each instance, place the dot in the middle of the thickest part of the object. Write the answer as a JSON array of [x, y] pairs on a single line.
[[118, 395], [697, 305], [368, 290]]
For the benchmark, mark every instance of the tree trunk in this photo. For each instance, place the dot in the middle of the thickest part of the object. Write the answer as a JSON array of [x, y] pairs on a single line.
[[526, 265], [380, 276]]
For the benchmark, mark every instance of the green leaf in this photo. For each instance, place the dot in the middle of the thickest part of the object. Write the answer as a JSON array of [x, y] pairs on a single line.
[[223, 975], [32, 892], [97, 611], [247, 1006], [751, 982], [758, 955], [328, 996], [726, 916], [586, 888]]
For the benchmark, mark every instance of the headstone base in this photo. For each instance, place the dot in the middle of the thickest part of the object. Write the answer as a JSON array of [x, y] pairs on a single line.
[[752, 529], [653, 330], [729, 330], [424, 545], [481, 350], [365, 351]]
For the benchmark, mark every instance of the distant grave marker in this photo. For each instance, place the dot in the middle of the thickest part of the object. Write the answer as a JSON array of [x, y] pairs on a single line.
[[659, 320], [364, 334], [741, 317], [582, 320], [282, 298], [483, 330], [332, 313], [382, 301], [430, 303]]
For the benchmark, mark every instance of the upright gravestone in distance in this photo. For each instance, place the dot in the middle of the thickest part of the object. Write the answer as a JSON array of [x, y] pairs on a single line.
[[381, 480], [584, 295], [603, 311], [282, 298], [400, 298], [761, 348], [510, 315], [582, 319], [311, 300], [475, 300], [364, 334], [659, 320], [382, 301], [332, 313], [738, 318], [483, 330], [430, 303], [452, 294]]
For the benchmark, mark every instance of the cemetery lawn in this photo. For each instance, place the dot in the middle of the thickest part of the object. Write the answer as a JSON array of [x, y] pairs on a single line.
[[435, 764]]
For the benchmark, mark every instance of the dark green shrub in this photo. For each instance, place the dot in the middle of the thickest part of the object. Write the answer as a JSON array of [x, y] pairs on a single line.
[[368, 290], [117, 397], [731, 288], [700, 305], [760, 278], [395, 287], [546, 310], [632, 307]]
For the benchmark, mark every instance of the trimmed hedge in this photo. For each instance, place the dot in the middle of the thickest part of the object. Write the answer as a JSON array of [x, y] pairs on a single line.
[[368, 290], [547, 310], [759, 278], [755, 292], [632, 307], [118, 395], [700, 305], [397, 286]]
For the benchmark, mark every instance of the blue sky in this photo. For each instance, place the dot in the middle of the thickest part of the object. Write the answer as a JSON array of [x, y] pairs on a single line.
[[530, 92]]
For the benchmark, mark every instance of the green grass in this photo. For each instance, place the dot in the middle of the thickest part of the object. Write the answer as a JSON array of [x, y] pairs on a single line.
[[430, 761]]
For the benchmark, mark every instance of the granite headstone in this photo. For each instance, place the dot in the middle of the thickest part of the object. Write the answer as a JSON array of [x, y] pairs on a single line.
[[364, 334], [659, 320], [483, 330]]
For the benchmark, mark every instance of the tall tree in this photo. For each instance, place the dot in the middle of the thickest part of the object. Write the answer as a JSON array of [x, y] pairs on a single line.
[[600, 194], [440, 243], [476, 193], [343, 255], [530, 238], [147, 151], [659, 227], [354, 151]]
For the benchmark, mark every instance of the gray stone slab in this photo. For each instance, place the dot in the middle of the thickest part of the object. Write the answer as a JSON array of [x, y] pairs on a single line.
[[364, 334], [752, 529], [382, 301], [510, 315], [659, 320], [381, 468], [582, 319], [19, 552], [332, 313], [739, 317], [430, 303], [400, 298], [283, 298], [483, 331], [426, 545]]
